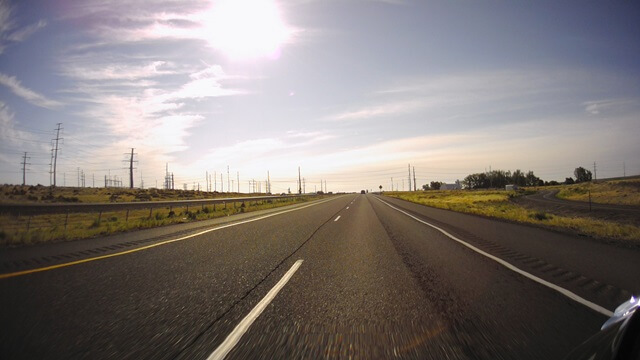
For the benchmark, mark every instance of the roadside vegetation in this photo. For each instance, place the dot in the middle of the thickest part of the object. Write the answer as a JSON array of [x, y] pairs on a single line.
[[622, 192], [17, 194], [27, 230], [497, 204]]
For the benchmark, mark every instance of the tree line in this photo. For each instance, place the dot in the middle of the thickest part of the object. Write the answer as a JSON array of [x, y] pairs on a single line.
[[501, 178]]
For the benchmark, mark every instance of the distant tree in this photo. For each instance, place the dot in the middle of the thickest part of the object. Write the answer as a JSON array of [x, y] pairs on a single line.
[[518, 178], [569, 181], [380, 187], [531, 179], [582, 174], [551, 183], [435, 185], [425, 187]]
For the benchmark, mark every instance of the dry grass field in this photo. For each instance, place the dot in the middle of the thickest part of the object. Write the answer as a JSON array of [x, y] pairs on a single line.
[[497, 204]]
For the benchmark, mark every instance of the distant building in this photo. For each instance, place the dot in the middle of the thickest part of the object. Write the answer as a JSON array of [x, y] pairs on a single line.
[[511, 187], [454, 186]]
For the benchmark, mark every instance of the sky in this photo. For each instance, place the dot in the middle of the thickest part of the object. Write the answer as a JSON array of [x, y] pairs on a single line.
[[350, 91]]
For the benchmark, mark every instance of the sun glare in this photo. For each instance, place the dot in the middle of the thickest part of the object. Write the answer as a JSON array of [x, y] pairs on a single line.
[[246, 29]]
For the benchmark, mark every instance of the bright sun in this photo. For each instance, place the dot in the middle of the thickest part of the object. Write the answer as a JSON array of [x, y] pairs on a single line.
[[246, 29]]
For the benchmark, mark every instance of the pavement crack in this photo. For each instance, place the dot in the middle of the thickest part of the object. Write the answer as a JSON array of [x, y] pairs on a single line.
[[248, 292]]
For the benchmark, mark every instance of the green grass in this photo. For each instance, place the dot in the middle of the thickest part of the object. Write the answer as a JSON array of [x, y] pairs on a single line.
[[621, 192], [496, 204], [24, 230]]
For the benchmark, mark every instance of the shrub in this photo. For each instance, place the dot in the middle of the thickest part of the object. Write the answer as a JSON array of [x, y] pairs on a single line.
[[539, 215], [158, 216], [171, 214], [94, 224]]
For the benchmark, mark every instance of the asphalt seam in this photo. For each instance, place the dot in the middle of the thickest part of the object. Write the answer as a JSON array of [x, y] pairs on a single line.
[[247, 293], [513, 268]]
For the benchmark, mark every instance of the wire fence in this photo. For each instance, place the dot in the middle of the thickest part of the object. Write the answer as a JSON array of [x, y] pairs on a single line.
[[32, 228]]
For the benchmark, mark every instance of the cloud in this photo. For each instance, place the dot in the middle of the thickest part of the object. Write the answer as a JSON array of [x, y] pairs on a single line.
[[27, 94], [8, 132], [23, 33], [87, 69], [392, 108], [598, 106], [9, 30], [220, 25]]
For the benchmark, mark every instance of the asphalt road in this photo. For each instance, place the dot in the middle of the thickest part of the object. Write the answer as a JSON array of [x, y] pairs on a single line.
[[350, 276]]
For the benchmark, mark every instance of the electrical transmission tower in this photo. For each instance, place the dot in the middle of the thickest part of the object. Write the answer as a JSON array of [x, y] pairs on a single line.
[[55, 151], [299, 182], [131, 161], [24, 168]]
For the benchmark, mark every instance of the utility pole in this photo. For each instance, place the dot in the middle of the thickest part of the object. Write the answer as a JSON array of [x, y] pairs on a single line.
[[172, 182], [51, 166], [392, 183], [24, 168], [299, 182], [78, 177], [238, 178], [595, 174], [268, 182], [228, 188], [215, 181], [206, 176], [221, 183], [304, 186], [624, 169], [409, 183], [131, 169], [415, 186], [55, 151]]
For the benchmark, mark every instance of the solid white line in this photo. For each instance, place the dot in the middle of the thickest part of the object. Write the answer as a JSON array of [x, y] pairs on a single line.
[[511, 267], [338, 218], [233, 338]]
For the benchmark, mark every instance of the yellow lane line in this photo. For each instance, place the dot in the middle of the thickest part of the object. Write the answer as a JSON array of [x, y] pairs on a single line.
[[57, 266]]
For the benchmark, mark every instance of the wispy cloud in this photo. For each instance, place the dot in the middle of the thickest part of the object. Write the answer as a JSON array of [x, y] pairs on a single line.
[[85, 69], [8, 132], [598, 106], [24, 33], [9, 30], [27, 94], [388, 109]]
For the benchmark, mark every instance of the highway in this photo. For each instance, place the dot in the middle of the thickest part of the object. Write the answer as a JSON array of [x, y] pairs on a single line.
[[362, 276]]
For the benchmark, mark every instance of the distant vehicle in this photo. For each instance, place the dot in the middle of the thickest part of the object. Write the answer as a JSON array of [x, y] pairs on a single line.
[[362, 192]]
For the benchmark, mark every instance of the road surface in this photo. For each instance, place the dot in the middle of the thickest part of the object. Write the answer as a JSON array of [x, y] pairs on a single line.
[[360, 276]]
